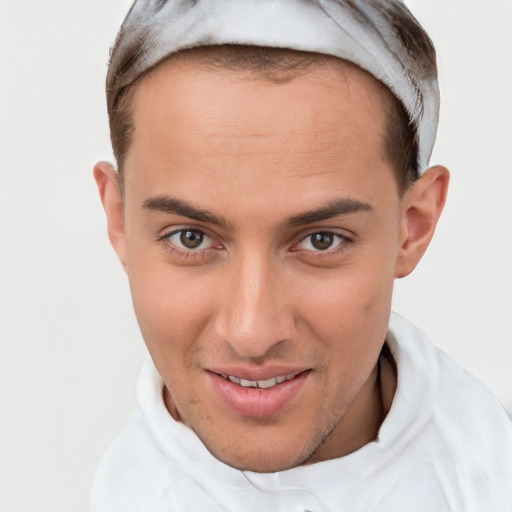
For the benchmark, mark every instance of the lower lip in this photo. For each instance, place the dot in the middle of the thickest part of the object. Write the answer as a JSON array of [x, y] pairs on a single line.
[[256, 402]]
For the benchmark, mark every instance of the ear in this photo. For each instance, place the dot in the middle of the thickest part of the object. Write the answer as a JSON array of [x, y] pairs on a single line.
[[422, 205], [109, 188]]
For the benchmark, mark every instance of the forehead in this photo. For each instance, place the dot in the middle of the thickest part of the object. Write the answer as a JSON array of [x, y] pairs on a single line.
[[223, 66], [195, 121]]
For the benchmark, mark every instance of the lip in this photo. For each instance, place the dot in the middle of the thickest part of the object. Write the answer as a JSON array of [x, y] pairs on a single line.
[[256, 402], [257, 373]]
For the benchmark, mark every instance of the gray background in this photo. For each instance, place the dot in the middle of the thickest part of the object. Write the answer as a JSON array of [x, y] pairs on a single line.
[[70, 348]]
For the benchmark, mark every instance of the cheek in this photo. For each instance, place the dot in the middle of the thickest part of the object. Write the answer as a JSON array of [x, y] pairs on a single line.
[[349, 296], [172, 307], [349, 312]]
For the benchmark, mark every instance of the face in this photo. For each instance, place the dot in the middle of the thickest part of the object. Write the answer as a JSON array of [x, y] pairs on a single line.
[[261, 234]]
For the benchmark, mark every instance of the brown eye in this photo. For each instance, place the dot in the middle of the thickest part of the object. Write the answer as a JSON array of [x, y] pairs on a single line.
[[322, 241], [190, 239]]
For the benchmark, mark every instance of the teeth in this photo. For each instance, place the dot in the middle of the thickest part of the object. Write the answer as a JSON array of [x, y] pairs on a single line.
[[262, 384], [265, 384], [248, 383]]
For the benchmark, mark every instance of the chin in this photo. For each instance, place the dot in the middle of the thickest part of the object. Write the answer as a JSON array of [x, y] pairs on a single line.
[[262, 460], [263, 463]]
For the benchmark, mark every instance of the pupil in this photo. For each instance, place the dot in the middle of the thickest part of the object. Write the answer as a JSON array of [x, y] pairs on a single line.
[[191, 239], [322, 241]]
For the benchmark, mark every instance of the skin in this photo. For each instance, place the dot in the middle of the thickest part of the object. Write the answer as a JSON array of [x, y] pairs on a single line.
[[256, 156]]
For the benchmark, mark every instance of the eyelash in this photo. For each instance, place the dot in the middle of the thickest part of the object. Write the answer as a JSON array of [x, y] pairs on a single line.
[[344, 244], [165, 240]]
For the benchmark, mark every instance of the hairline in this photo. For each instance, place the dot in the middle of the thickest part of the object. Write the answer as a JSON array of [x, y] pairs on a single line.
[[206, 56]]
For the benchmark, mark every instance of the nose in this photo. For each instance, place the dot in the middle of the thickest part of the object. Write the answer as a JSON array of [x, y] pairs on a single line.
[[255, 312]]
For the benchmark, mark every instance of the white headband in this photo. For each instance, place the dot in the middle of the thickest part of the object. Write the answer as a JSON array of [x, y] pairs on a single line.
[[359, 31]]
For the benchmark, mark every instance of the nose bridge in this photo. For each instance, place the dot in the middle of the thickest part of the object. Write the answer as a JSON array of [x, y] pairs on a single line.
[[254, 315]]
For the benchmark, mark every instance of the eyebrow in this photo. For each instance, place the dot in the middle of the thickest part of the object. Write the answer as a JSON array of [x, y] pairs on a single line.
[[170, 205], [334, 208]]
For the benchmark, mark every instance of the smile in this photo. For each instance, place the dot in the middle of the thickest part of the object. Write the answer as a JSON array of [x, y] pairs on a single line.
[[262, 384], [262, 393]]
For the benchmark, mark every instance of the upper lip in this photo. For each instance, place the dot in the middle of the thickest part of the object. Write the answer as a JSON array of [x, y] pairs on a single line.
[[255, 374]]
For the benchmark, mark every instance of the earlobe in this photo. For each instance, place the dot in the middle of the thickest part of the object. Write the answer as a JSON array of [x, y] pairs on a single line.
[[421, 208], [110, 194]]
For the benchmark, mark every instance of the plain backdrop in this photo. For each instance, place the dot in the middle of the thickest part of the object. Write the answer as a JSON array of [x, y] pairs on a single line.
[[70, 347]]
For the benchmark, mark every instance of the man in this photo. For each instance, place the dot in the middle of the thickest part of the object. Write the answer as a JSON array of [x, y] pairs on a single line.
[[272, 182]]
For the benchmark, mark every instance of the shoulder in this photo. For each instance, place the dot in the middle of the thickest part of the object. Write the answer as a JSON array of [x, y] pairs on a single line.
[[465, 433], [135, 476], [122, 475]]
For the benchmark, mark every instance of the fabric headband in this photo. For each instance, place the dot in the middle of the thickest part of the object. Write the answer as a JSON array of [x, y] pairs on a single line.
[[359, 31]]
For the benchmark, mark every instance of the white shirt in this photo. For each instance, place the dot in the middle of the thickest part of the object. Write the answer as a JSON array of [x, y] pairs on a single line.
[[445, 445]]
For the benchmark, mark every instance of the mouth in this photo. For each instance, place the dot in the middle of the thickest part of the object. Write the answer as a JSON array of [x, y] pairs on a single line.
[[261, 384], [258, 393]]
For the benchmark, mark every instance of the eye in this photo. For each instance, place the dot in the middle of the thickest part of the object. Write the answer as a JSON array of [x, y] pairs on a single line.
[[321, 241], [190, 239]]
